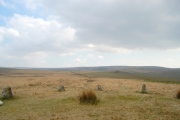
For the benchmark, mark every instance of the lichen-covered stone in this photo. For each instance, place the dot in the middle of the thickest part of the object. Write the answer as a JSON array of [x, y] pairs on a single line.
[[61, 88], [1, 103], [144, 89], [99, 88], [7, 93]]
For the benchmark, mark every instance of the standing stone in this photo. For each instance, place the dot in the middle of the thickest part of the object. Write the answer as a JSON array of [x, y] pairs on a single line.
[[1, 103], [7, 93], [99, 88], [144, 89], [61, 88]]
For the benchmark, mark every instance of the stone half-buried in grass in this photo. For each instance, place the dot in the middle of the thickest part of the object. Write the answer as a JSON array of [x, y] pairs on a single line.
[[99, 88], [88, 97], [61, 88]]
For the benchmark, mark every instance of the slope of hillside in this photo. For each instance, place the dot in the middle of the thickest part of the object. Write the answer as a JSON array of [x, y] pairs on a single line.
[[151, 73]]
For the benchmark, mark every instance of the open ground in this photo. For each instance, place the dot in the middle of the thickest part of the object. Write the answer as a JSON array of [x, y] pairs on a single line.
[[36, 97]]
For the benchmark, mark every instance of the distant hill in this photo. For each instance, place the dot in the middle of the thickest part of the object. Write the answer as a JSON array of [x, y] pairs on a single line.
[[107, 68], [152, 73]]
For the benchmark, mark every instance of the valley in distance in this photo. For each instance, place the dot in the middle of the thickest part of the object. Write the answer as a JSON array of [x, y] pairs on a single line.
[[36, 95]]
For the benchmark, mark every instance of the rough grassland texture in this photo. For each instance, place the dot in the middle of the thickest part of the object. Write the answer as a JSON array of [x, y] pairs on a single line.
[[36, 98]]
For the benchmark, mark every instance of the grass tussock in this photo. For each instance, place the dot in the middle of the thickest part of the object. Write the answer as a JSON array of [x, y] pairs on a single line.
[[178, 95], [88, 97]]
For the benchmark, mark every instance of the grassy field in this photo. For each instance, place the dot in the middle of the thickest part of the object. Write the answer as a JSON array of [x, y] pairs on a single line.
[[36, 97], [127, 75]]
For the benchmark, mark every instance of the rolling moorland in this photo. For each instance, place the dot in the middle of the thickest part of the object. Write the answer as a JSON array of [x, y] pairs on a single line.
[[150, 73], [36, 94]]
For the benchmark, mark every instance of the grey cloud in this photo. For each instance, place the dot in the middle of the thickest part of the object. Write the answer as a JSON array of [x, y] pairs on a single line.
[[132, 24]]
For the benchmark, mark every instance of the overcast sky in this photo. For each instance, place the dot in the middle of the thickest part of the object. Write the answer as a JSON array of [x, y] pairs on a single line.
[[71, 33]]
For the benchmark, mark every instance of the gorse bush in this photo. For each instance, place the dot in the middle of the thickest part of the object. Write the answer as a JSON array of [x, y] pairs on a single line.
[[88, 97], [178, 95]]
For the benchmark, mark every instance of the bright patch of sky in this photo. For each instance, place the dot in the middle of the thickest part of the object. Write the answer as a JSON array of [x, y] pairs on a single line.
[[72, 33]]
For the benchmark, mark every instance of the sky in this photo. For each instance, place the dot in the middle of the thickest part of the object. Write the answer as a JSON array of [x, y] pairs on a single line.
[[76, 33]]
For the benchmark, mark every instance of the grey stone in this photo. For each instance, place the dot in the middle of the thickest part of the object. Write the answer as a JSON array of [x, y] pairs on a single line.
[[7, 93], [1, 103], [144, 89], [99, 88], [61, 88]]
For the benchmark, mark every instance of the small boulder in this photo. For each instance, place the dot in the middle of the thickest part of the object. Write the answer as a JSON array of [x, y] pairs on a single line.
[[7, 93], [1, 103], [61, 88], [99, 88], [144, 89]]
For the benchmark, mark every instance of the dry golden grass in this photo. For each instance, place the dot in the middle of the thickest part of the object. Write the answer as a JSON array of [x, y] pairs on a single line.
[[36, 97]]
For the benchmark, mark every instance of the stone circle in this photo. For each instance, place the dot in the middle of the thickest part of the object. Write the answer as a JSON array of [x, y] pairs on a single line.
[[61, 88], [1, 103], [99, 88], [7, 93], [144, 89]]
